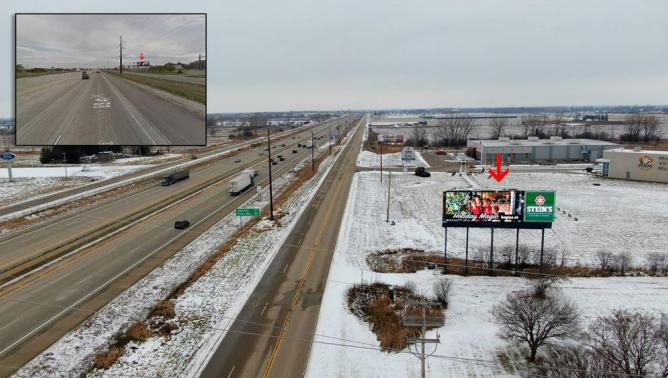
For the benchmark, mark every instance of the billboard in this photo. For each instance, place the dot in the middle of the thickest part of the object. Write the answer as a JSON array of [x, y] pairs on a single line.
[[144, 63], [498, 208]]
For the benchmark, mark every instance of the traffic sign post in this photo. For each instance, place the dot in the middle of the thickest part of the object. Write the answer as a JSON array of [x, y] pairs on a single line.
[[259, 193], [246, 213], [8, 157]]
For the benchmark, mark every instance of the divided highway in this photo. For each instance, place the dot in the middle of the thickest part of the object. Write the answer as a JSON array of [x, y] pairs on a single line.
[[46, 304], [102, 110]]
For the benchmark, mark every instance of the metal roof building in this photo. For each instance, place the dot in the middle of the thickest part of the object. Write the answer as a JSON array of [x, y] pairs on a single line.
[[635, 164], [535, 149]]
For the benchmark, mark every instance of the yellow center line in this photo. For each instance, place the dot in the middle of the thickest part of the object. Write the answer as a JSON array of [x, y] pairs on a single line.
[[301, 282]]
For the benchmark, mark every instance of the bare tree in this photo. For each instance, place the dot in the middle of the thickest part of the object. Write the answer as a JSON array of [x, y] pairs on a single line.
[[571, 361], [624, 261], [625, 340], [498, 124], [536, 322], [650, 127], [454, 131], [419, 136], [605, 258], [442, 290], [655, 261], [558, 123], [641, 126], [545, 283]]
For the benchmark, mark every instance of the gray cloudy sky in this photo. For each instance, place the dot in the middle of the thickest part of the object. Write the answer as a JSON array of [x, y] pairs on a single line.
[[70, 41], [356, 54]]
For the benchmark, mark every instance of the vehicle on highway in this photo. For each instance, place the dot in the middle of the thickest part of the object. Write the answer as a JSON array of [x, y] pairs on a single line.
[[181, 224], [293, 137], [283, 145], [193, 157], [299, 145], [266, 148], [237, 160], [281, 159], [251, 172], [241, 182], [309, 144], [426, 147], [279, 156], [294, 151], [261, 154], [441, 152], [84, 75], [175, 177], [274, 162]]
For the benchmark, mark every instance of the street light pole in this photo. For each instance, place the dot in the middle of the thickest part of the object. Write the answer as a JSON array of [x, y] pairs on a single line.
[[329, 131], [380, 147], [271, 192], [65, 159], [312, 154]]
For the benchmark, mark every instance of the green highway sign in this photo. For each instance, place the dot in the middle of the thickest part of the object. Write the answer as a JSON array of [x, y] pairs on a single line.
[[248, 212], [540, 206]]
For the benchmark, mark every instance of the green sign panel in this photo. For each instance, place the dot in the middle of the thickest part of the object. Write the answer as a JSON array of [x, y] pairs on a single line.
[[248, 212], [539, 206]]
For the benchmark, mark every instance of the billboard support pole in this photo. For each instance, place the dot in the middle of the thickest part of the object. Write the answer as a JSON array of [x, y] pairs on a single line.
[[466, 263], [517, 247], [491, 254], [542, 244], [445, 253]]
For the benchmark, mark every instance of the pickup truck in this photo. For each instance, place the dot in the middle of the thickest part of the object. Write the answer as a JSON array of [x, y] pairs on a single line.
[[175, 176]]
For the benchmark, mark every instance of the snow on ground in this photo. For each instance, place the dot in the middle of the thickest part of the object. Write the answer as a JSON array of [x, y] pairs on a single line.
[[203, 311], [368, 159], [32, 182], [147, 159], [469, 331]]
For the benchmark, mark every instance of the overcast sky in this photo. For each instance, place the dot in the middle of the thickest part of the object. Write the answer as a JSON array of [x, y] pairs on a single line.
[[310, 55], [69, 41]]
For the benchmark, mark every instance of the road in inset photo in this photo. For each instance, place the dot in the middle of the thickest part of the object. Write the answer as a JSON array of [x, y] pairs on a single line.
[[111, 79]]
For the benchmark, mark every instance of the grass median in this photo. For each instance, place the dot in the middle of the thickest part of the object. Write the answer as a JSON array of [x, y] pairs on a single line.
[[194, 92]]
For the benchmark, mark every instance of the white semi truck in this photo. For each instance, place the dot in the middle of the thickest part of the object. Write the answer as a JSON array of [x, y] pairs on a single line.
[[241, 182]]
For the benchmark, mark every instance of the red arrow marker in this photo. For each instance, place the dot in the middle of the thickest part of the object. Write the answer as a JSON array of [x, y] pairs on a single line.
[[498, 175], [141, 56]]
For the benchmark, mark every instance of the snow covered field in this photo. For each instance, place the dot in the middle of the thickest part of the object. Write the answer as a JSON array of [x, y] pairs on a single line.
[[147, 159], [368, 159], [32, 182], [469, 344]]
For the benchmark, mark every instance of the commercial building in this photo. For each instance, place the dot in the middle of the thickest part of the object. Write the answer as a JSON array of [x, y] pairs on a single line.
[[635, 165], [535, 149]]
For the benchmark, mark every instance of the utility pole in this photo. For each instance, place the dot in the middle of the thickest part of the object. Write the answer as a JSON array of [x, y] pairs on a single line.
[[199, 62], [380, 147], [423, 321], [65, 159], [312, 154], [389, 185], [271, 191], [121, 52], [329, 131], [139, 154]]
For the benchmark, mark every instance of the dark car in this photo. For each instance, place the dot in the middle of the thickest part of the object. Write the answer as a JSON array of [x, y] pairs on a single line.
[[181, 224], [84, 75], [294, 151], [299, 145], [283, 145], [279, 156], [193, 157], [237, 160], [281, 159], [274, 162]]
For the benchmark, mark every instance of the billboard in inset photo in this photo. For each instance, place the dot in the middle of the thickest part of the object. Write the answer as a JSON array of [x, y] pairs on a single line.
[[498, 208], [110, 79]]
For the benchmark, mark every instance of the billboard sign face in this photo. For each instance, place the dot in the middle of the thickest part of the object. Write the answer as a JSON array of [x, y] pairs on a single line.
[[539, 206], [144, 63], [498, 208]]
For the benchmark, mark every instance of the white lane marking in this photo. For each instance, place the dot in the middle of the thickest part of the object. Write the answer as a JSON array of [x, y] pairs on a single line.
[[14, 321], [309, 221], [258, 301], [83, 280], [286, 267], [300, 241], [229, 375], [58, 139], [264, 308]]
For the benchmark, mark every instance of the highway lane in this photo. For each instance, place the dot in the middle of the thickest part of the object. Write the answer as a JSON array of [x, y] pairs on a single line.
[[88, 280], [20, 246], [103, 110], [290, 292], [182, 78]]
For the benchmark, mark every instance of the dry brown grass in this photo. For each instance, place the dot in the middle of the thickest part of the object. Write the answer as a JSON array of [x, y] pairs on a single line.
[[104, 360], [164, 309], [382, 306], [139, 331]]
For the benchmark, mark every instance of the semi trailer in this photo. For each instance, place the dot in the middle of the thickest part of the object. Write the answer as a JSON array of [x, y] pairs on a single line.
[[175, 176], [241, 182]]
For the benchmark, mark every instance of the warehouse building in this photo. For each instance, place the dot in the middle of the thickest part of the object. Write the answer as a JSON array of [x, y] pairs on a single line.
[[535, 149], [635, 164]]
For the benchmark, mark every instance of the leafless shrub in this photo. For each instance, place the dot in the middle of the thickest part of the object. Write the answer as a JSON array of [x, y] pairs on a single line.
[[549, 256], [543, 284], [481, 257], [139, 331], [623, 261], [411, 287], [164, 309], [655, 261], [442, 289], [627, 341], [571, 361], [526, 319], [104, 360], [605, 259]]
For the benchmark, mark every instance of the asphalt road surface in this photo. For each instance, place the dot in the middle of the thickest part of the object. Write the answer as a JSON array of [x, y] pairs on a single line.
[[47, 304], [103, 110], [182, 78], [285, 305]]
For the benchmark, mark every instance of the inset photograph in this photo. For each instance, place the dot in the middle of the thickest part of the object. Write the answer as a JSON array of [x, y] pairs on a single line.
[[111, 79]]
